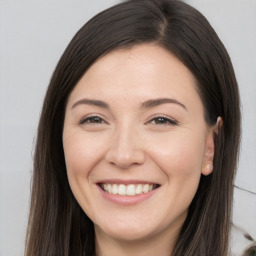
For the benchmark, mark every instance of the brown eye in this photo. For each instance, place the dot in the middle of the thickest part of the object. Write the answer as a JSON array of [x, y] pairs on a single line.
[[92, 120], [163, 121]]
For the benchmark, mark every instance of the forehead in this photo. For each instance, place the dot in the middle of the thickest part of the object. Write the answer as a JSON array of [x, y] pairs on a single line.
[[141, 72]]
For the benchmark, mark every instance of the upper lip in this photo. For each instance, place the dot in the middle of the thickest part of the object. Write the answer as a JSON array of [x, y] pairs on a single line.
[[125, 182]]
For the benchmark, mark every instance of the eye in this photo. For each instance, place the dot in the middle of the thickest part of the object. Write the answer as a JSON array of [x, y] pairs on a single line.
[[160, 120], [92, 120]]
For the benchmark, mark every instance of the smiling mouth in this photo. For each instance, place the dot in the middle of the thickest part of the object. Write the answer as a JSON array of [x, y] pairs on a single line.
[[128, 190]]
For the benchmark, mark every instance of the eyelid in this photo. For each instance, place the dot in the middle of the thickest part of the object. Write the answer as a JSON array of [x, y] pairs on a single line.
[[171, 121], [87, 117]]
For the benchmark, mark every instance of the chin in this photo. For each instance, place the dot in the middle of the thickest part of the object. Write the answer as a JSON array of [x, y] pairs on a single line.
[[125, 231]]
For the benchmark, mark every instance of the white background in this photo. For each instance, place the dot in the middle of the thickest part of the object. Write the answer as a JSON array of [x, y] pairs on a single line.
[[33, 35]]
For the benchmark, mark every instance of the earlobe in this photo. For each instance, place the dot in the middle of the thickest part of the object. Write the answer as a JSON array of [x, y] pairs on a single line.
[[207, 166], [208, 169]]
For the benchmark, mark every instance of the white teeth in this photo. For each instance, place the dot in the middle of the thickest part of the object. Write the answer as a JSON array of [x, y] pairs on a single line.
[[121, 190], [129, 190], [114, 189], [145, 188], [109, 188], [139, 189]]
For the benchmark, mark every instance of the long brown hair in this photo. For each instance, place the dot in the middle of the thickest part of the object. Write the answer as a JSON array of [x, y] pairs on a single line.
[[57, 225]]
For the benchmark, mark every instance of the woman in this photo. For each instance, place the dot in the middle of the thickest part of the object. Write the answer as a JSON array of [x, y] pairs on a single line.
[[138, 138]]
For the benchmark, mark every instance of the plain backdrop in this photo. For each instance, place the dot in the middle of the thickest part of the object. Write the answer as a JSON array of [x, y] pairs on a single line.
[[33, 35]]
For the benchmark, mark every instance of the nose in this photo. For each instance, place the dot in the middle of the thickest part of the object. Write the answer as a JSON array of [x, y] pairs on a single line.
[[126, 149]]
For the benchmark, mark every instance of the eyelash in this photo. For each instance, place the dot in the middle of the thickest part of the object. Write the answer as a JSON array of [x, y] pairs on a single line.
[[91, 119], [161, 119]]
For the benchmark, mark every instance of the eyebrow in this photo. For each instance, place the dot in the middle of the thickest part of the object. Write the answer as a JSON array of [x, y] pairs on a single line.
[[145, 105], [156, 102], [97, 103]]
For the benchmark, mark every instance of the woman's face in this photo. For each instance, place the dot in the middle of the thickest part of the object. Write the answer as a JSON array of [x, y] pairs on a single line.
[[136, 142]]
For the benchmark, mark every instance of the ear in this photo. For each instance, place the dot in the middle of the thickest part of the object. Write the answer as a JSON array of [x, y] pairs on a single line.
[[207, 167]]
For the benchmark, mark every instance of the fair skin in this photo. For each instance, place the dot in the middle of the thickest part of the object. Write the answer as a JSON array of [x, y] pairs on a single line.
[[135, 122]]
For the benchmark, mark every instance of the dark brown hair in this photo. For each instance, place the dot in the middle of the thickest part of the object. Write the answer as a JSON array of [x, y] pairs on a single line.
[[57, 224]]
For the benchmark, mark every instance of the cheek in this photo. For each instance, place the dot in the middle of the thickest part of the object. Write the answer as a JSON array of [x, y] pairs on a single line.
[[180, 154], [180, 157], [81, 156], [181, 164], [81, 153]]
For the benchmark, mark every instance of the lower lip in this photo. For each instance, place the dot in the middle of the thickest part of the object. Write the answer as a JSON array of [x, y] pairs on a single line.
[[127, 200]]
